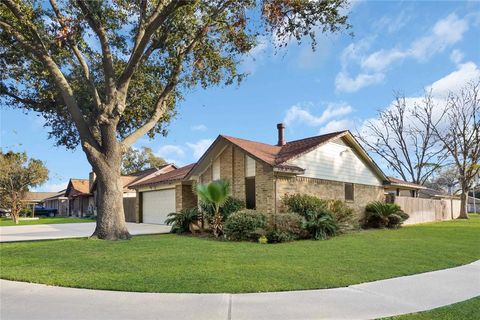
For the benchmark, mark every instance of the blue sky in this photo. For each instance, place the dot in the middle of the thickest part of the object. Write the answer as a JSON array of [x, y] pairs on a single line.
[[398, 46]]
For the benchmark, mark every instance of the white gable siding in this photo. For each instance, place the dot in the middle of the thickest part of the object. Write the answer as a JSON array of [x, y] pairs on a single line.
[[336, 161]]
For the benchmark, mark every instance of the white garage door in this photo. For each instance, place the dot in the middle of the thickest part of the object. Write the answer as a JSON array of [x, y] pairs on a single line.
[[157, 205]]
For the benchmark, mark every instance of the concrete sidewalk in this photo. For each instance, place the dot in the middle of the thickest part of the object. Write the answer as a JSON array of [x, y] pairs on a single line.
[[364, 301], [69, 230]]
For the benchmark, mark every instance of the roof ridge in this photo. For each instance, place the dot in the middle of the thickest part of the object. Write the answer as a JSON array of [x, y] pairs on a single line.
[[318, 136], [271, 145]]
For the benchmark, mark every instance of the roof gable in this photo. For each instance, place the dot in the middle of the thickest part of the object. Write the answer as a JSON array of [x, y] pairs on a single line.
[[168, 177], [279, 156], [77, 187]]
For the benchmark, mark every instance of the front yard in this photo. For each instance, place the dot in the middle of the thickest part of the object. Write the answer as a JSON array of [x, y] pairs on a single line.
[[171, 263], [9, 222]]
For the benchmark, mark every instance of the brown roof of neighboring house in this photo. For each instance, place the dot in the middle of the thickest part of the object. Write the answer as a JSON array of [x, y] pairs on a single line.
[[276, 155], [168, 177], [402, 183], [37, 196], [58, 194]]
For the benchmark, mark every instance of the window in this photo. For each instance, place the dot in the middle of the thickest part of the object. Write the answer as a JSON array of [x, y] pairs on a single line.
[[250, 193], [249, 167], [216, 169], [349, 192]]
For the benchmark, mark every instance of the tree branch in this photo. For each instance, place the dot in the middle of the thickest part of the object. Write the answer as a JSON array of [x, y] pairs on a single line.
[[107, 59], [78, 54], [38, 50]]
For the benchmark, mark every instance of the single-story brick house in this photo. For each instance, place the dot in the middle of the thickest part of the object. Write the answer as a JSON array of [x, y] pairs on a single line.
[[330, 166]]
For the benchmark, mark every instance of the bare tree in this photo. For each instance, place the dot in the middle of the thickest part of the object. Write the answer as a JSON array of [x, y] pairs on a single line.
[[408, 145], [444, 179], [459, 132]]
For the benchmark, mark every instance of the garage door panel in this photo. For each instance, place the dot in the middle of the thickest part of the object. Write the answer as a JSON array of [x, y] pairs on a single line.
[[156, 205]]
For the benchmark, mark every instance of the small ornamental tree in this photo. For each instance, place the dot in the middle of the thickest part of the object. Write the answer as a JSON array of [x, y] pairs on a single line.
[[135, 160], [17, 175], [105, 73]]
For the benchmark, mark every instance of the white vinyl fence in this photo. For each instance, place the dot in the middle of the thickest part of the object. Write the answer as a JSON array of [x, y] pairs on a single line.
[[427, 210]]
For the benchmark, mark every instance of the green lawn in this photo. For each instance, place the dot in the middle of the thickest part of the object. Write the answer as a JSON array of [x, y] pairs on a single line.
[[466, 310], [171, 263], [9, 222]]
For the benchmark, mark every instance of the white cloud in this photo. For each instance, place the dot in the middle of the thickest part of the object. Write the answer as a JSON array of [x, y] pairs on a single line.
[[337, 125], [455, 80], [344, 83], [440, 89], [199, 127], [456, 56], [170, 150], [199, 147], [302, 115], [446, 32]]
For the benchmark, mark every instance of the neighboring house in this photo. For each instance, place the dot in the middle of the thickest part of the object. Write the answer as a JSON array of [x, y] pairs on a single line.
[[402, 188], [32, 199], [161, 194], [129, 194], [59, 201], [81, 202]]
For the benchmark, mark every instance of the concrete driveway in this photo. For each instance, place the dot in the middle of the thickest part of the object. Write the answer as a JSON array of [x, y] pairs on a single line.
[[371, 300], [69, 230]]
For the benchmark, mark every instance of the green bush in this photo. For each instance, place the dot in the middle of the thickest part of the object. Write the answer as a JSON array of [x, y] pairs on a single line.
[[344, 216], [184, 220], [320, 224], [230, 206], [303, 203], [25, 212], [384, 215], [286, 227], [243, 225]]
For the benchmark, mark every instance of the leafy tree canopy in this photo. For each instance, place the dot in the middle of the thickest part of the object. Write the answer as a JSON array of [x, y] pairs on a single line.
[[135, 160], [84, 63], [18, 173]]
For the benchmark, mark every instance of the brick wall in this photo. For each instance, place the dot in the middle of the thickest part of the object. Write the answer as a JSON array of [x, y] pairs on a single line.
[[238, 178], [264, 188], [185, 198], [327, 189]]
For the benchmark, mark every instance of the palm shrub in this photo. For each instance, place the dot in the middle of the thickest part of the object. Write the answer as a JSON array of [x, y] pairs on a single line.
[[244, 225], [230, 206], [384, 215], [320, 224], [304, 204], [184, 221], [215, 194]]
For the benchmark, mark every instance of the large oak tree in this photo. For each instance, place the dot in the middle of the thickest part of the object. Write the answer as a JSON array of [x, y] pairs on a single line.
[[105, 73]]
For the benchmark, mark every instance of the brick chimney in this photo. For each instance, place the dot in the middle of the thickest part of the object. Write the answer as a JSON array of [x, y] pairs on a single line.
[[281, 134]]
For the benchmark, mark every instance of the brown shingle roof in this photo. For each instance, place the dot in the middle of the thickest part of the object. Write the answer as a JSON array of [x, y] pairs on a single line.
[[81, 185], [170, 176], [276, 155], [38, 196], [399, 182]]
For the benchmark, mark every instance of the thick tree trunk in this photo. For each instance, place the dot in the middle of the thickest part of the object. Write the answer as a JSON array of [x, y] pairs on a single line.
[[463, 205], [109, 196], [110, 216]]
